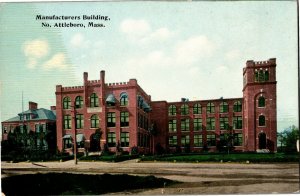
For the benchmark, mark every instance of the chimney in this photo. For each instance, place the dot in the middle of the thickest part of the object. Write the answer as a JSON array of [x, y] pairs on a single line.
[[53, 108], [32, 105], [85, 77], [102, 76]]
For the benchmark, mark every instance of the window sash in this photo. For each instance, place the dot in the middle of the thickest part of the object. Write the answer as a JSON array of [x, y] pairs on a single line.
[[198, 142], [210, 108], [185, 125], [210, 124], [124, 101], [172, 125], [172, 110], [124, 139], [67, 103], [237, 122], [224, 125], [184, 109], [197, 124], [79, 121], [261, 121], [185, 140], [197, 109], [237, 107], [94, 102]]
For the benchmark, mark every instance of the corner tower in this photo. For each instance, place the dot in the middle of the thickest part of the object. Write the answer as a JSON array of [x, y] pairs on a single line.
[[259, 111]]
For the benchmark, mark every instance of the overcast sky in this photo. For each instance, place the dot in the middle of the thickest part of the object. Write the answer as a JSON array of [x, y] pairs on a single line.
[[195, 50]]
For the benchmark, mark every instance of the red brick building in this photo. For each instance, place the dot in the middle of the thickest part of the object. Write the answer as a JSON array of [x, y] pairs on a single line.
[[122, 116], [32, 127]]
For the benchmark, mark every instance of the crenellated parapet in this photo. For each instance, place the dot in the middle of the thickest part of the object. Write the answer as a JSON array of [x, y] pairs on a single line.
[[251, 63], [71, 88], [117, 84]]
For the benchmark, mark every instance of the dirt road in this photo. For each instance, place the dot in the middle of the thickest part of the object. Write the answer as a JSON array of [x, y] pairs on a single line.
[[196, 178]]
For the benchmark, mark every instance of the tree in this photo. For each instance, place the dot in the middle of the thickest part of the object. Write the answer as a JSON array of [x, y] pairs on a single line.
[[288, 139]]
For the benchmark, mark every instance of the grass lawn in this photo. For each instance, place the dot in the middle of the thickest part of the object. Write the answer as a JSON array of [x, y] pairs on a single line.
[[243, 157]]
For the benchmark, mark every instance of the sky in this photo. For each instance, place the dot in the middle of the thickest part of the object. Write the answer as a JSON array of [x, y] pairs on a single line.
[[195, 50]]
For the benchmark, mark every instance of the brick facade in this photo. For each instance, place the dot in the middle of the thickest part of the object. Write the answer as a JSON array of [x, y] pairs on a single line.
[[125, 117], [32, 128]]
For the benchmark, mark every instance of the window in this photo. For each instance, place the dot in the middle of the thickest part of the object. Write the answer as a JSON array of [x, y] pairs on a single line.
[[261, 76], [4, 129], [42, 128], [111, 119], [261, 120], [124, 119], [238, 139], [237, 122], [184, 109], [210, 108], [185, 140], [124, 99], [67, 122], [37, 128], [210, 124], [67, 103], [185, 124], [172, 125], [224, 123], [211, 140], [111, 139], [124, 139], [237, 106], [198, 141], [256, 76], [197, 124], [173, 141], [197, 109], [224, 107], [266, 75], [23, 128], [172, 110], [79, 102], [261, 102], [223, 140], [94, 101], [79, 121], [67, 143], [94, 121]]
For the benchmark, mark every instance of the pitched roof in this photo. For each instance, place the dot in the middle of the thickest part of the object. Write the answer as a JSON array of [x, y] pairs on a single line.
[[39, 114]]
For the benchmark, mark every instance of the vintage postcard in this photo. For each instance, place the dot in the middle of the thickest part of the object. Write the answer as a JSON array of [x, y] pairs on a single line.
[[154, 97]]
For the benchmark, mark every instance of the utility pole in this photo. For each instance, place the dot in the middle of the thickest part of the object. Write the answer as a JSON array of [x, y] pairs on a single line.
[[75, 134]]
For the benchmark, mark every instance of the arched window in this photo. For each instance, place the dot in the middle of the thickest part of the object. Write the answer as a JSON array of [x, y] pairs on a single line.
[[124, 99], [78, 102], [256, 76], [266, 75], [261, 120], [261, 76], [210, 108], [94, 121], [223, 107], [67, 103], [172, 110], [197, 109], [261, 102], [184, 109], [237, 106], [94, 101]]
